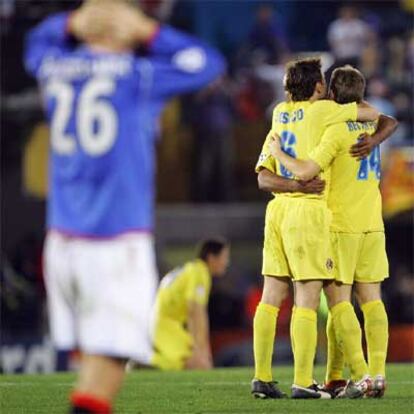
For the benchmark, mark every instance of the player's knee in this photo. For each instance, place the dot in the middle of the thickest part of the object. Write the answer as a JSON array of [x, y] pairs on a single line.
[[310, 299], [336, 293], [367, 292], [275, 291], [308, 302], [308, 294]]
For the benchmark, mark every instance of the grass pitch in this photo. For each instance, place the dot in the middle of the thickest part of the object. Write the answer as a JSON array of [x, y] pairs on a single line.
[[218, 391]]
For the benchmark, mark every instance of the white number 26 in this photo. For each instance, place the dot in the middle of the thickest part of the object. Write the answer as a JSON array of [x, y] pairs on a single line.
[[95, 117]]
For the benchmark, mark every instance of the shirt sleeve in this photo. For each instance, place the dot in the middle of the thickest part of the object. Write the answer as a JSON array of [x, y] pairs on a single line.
[[198, 289], [49, 37], [330, 112], [329, 148], [266, 159], [182, 63]]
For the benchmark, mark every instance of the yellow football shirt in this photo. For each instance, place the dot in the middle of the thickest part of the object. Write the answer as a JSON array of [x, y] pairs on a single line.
[[190, 283], [300, 126], [354, 196]]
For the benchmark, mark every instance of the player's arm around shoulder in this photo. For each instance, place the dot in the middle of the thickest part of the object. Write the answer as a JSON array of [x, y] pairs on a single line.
[[332, 144], [385, 128], [329, 112], [305, 170], [267, 177], [367, 112]]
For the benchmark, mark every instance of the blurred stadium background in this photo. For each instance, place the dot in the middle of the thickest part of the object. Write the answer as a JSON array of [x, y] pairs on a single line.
[[208, 145]]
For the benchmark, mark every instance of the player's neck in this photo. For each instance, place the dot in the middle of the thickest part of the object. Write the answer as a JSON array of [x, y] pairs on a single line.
[[103, 47], [315, 97]]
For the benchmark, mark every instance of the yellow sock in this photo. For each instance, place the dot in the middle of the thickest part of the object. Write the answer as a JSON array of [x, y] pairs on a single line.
[[304, 334], [349, 337], [376, 333], [335, 356], [264, 331], [291, 328]]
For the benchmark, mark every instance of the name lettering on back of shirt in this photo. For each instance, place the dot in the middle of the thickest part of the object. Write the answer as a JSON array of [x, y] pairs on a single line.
[[78, 68], [286, 117], [360, 126]]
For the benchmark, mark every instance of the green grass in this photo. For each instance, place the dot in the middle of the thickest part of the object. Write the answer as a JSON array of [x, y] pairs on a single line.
[[218, 391]]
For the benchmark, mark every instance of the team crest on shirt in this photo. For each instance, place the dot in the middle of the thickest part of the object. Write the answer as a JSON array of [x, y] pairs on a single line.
[[329, 264], [263, 156]]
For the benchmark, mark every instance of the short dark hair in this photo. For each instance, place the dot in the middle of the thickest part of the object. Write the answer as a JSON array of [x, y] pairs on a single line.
[[302, 77], [347, 85], [212, 246]]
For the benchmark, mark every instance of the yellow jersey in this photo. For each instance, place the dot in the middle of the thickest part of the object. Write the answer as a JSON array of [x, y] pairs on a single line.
[[353, 195], [189, 283], [300, 126]]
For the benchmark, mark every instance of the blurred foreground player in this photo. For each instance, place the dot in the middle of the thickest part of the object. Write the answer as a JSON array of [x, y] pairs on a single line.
[[102, 102], [181, 332]]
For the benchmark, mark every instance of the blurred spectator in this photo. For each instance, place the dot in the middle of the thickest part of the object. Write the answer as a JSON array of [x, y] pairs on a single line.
[[213, 152], [266, 42], [398, 69], [404, 113], [161, 9], [370, 61], [401, 295], [267, 35], [378, 96], [410, 52], [348, 36]]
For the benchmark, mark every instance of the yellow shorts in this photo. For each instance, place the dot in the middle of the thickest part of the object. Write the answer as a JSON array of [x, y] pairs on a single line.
[[172, 344], [360, 257], [297, 239]]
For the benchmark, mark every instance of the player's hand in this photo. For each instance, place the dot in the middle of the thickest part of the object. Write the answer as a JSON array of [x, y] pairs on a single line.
[[136, 27], [90, 21], [124, 24], [198, 361], [314, 186], [363, 147], [275, 145]]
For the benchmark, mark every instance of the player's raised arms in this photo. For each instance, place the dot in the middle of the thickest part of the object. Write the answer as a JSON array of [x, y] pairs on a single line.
[[179, 62], [102, 103]]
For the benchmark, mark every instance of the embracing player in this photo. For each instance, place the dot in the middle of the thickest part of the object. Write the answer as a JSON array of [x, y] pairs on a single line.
[[297, 243], [357, 228], [102, 101]]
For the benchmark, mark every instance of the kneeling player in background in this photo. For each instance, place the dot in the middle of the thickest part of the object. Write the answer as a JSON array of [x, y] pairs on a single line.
[[357, 235], [181, 333]]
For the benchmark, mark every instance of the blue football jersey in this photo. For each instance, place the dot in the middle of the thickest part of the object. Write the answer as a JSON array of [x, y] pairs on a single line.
[[102, 109]]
